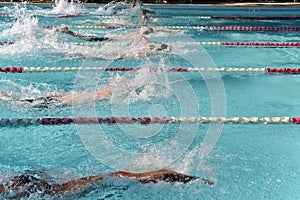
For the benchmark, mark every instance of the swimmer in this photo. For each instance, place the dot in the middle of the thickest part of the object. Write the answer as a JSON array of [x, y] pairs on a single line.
[[65, 29], [144, 17], [26, 184], [59, 98]]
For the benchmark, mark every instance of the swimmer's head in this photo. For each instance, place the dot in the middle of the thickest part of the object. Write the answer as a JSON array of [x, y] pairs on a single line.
[[146, 30], [62, 28]]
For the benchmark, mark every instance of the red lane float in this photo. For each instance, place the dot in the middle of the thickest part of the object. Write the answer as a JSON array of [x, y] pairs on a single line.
[[4, 122], [255, 17], [296, 120], [69, 16], [263, 44], [121, 69], [115, 27], [251, 28], [220, 28], [21, 70], [12, 69], [107, 120], [173, 69], [284, 70], [6, 43]]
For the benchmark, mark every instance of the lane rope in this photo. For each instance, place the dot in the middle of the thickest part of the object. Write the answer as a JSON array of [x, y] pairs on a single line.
[[220, 28], [173, 69], [220, 17], [184, 17], [5, 122], [247, 44], [6, 43], [241, 44], [251, 17]]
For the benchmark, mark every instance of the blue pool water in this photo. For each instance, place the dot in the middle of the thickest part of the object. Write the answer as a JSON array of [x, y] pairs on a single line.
[[254, 161]]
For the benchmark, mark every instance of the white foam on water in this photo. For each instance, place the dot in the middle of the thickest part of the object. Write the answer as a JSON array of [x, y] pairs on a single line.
[[64, 7], [145, 84], [24, 89], [28, 36], [108, 9]]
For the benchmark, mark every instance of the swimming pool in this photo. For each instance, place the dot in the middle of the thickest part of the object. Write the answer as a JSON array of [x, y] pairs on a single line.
[[247, 161]]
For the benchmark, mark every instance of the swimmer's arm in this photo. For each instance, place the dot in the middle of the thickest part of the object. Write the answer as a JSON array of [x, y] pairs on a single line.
[[103, 93], [128, 35], [80, 97], [75, 185], [171, 176], [167, 31], [146, 42], [144, 20], [143, 178], [160, 175]]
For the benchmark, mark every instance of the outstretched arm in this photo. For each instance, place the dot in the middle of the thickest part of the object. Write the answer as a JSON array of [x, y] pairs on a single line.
[[84, 96], [160, 175], [103, 93], [168, 31], [125, 36]]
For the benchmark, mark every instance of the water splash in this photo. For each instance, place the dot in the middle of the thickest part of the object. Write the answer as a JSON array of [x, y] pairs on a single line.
[[64, 7], [108, 9], [146, 84], [14, 94], [28, 36], [187, 164]]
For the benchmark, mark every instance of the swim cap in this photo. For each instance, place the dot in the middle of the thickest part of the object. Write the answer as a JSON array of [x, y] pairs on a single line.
[[146, 30]]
